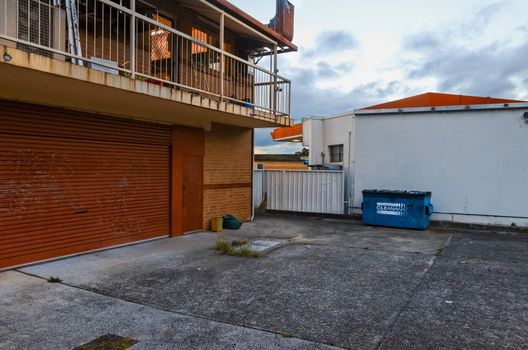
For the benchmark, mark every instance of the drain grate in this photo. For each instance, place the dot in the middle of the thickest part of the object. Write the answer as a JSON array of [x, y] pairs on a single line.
[[108, 342]]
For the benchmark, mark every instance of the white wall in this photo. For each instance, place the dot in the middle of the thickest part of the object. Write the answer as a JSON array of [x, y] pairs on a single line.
[[474, 162], [319, 134]]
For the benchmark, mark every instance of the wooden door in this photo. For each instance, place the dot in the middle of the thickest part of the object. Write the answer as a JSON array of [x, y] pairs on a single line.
[[192, 193]]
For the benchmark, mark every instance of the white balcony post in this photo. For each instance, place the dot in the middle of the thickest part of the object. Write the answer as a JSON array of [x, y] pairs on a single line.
[[222, 63], [275, 72], [133, 39]]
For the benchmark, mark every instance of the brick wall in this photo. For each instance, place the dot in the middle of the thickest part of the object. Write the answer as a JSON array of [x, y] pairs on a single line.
[[227, 173]]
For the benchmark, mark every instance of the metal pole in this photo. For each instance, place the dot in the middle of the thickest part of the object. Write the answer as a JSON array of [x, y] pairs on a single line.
[[222, 68], [133, 39], [289, 99], [275, 72]]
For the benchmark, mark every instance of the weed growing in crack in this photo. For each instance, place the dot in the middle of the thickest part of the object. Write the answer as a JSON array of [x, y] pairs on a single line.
[[440, 252], [225, 248]]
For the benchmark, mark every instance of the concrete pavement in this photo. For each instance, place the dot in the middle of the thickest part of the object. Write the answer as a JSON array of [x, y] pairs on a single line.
[[332, 283]]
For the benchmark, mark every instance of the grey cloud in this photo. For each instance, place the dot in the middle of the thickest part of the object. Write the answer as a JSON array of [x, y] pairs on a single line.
[[262, 137], [345, 67], [473, 26], [326, 70], [422, 41], [309, 99], [487, 71], [483, 16], [329, 42]]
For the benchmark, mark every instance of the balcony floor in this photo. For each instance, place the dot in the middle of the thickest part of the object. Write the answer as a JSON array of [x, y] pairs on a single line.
[[38, 79]]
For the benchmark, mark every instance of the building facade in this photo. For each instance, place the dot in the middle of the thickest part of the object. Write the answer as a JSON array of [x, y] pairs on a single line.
[[123, 121], [469, 151], [471, 157]]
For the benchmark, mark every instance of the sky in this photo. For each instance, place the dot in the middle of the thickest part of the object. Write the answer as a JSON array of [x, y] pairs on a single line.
[[356, 53]]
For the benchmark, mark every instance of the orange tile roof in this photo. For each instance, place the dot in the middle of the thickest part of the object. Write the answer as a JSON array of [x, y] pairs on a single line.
[[434, 99], [292, 133]]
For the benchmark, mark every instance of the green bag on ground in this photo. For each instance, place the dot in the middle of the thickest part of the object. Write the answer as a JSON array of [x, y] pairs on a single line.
[[231, 222]]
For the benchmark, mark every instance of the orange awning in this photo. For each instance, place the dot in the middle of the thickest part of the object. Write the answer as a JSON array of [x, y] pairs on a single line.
[[288, 134]]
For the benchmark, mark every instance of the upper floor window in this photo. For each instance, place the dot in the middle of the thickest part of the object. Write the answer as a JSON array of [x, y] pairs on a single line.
[[160, 40], [336, 153], [205, 37], [200, 52]]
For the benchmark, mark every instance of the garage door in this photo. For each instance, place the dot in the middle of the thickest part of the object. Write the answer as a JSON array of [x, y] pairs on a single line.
[[71, 182]]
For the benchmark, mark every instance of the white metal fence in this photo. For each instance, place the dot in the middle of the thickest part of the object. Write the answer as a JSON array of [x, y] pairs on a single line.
[[301, 191], [259, 188]]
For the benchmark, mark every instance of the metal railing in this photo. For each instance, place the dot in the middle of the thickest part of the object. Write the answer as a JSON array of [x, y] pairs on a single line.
[[134, 39]]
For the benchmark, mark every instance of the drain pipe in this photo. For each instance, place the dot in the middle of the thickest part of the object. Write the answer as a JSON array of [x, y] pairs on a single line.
[[252, 174], [348, 174]]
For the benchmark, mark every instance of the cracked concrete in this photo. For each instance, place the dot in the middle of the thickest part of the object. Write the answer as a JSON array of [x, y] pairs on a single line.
[[333, 283]]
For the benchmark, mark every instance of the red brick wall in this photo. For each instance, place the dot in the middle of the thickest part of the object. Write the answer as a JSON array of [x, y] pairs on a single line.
[[227, 173]]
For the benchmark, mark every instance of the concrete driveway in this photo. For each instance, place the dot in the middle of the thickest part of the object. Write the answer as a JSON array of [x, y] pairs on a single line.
[[330, 284]]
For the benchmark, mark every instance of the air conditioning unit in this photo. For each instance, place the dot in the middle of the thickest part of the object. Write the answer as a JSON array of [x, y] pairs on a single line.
[[34, 22]]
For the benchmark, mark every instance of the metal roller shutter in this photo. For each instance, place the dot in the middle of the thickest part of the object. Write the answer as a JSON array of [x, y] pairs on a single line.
[[73, 182]]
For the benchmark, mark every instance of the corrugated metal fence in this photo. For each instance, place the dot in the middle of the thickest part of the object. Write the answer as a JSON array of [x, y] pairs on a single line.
[[301, 191], [259, 188]]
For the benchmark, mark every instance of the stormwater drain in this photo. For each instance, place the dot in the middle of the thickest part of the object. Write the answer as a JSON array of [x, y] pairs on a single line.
[[108, 342], [262, 246]]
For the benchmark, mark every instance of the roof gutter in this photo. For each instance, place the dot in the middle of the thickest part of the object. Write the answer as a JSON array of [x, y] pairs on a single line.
[[466, 108]]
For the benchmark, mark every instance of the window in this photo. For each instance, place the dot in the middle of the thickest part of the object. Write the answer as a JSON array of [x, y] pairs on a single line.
[[161, 48], [201, 54], [203, 37], [160, 40], [336, 153]]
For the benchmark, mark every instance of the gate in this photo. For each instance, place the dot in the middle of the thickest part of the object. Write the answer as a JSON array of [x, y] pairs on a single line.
[[309, 191]]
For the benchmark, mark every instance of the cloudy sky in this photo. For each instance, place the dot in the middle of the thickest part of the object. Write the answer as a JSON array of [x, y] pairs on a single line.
[[355, 53]]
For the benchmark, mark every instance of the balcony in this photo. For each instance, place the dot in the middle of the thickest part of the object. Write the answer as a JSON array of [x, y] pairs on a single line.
[[140, 48]]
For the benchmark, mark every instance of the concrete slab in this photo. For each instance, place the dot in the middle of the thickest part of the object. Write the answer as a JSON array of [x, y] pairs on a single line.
[[342, 233], [263, 245], [479, 304], [337, 296], [336, 283], [489, 247], [39, 315]]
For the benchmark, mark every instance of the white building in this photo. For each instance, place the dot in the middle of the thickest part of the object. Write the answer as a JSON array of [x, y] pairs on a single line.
[[331, 144], [470, 152]]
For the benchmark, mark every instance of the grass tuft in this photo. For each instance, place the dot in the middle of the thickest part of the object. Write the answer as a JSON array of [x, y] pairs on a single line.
[[440, 252], [54, 280], [225, 248], [222, 246]]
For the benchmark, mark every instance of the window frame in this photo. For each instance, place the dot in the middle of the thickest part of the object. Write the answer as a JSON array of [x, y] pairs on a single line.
[[340, 155]]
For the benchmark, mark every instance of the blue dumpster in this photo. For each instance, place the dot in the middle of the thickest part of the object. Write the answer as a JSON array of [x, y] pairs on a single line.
[[405, 209]]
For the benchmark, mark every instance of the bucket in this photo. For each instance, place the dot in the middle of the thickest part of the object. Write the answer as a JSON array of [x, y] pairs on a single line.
[[217, 225]]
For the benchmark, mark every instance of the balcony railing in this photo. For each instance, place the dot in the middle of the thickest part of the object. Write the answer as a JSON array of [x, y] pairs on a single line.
[[133, 39]]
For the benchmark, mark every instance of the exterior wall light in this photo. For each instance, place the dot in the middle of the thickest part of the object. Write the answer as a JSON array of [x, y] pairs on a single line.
[[7, 57]]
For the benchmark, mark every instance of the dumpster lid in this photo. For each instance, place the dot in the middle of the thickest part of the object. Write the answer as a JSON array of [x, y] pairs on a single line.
[[397, 193]]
